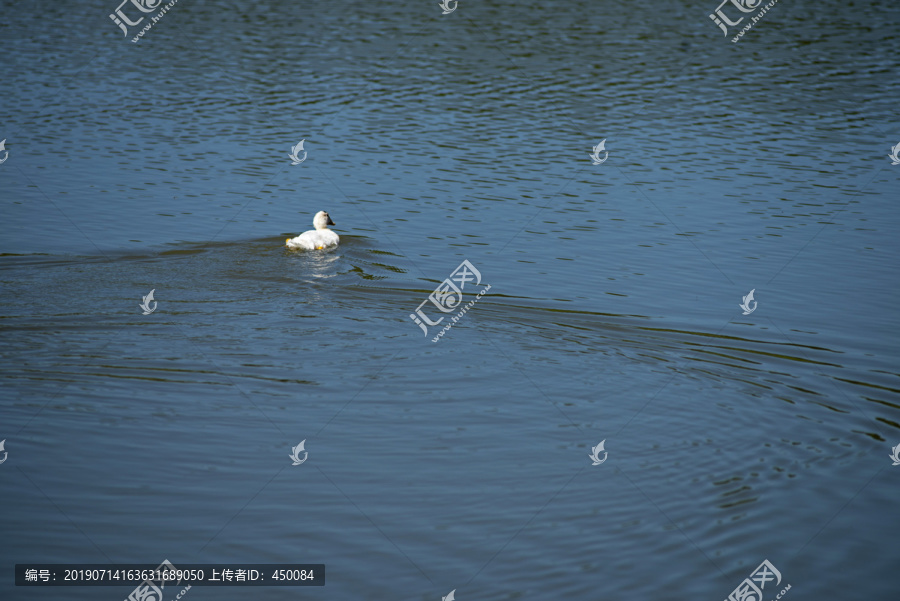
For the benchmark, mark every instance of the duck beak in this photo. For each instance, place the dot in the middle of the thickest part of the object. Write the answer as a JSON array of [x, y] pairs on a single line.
[[330, 222]]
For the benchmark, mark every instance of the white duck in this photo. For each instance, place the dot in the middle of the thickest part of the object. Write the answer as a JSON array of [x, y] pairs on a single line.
[[316, 239]]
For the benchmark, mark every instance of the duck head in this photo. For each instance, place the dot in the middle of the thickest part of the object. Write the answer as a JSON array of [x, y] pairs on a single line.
[[321, 221]]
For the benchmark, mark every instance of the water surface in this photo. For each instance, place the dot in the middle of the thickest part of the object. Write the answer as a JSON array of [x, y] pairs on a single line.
[[612, 315]]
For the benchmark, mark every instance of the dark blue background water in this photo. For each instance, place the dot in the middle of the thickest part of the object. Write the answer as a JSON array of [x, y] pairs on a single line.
[[612, 315]]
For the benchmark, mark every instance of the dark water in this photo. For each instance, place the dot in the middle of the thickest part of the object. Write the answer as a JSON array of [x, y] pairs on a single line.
[[612, 314]]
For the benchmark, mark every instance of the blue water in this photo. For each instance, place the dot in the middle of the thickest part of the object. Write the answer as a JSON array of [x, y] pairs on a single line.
[[612, 315]]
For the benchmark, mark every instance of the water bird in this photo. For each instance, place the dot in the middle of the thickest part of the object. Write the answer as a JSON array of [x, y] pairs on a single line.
[[316, 239]]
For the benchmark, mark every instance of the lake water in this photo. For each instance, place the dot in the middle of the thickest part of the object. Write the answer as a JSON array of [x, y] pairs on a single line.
[[612, 315]]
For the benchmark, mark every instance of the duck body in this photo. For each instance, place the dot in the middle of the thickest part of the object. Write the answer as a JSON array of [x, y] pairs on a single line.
[[316, 239], [313, 240]]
